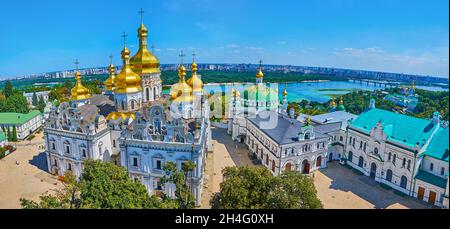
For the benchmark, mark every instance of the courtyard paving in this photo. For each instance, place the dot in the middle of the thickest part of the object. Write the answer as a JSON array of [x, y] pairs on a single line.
[[226, 153], [23, 174], [339, 187]]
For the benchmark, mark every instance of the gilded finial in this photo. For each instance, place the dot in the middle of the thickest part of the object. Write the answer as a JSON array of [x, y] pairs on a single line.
[[308, 120], [341, 101], [285, 90], [141, 12], [260, 74]]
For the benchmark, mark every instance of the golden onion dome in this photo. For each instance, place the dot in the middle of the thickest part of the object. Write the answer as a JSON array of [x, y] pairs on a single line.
[[127, 81], [235, 93], [144, 62], [260, 74], [79, 92], [333, 103], [195, 82], [109, 83], [181, 89]]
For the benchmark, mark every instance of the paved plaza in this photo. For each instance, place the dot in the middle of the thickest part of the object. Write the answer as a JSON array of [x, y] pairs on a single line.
[[337, 186], [23, 174]]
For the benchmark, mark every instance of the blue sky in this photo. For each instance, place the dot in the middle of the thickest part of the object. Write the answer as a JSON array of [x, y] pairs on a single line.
[[385, 35]]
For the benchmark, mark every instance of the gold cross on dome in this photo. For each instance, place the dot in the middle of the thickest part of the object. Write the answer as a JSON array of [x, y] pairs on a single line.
[[124, 35], [193, 56], [76, 63], [182, 55], [110, 58], [141, 12]]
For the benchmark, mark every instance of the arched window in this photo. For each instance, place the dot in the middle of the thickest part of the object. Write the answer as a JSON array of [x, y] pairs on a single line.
[[361, 161], [288, 167], [273, 165], [307, 135], [155, 93], [404, 162], [350, 156], [319, 161], [132, 104], [375, 150], [100, 148], [403, 182], [389, 175], [365, 146], [147, 94], [123, 105], [394, 159], [341, 138], [389, 156], [431, 166], [409, 164]]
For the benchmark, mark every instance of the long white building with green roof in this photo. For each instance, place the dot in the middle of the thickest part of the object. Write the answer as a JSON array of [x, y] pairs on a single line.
[[25, 124], [405, 153]]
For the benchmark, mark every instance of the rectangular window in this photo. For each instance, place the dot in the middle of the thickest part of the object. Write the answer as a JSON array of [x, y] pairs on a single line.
[[84, 152], [53, 146], [158, 164], [114, 143], [442, 171], [431, 167], [135, 161], [69, 167], [67, 149]]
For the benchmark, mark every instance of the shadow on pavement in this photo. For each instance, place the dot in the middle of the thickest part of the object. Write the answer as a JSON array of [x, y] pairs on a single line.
[[239, 155], [40, 161]]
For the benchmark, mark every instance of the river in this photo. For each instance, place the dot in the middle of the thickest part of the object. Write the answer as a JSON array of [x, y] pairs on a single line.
[[312, 91]]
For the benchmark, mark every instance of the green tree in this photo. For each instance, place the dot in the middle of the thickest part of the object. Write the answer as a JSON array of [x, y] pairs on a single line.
[[41, 104], [105, 185], [257, 188], [14, 134], [34, 99], [183, 183], [8, 89], [8, 134], [15, 103], [102, 185]]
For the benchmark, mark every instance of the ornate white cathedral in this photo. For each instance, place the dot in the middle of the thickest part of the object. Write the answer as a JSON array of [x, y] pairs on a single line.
[[132, 124]]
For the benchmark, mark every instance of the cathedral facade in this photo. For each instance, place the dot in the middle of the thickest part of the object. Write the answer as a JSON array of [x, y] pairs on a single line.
[[132, 124]]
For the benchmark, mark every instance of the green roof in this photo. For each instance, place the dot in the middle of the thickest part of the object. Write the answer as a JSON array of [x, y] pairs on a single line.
[[399, 128], [2, 136], [438, 147], [432, 179], [10, 118]]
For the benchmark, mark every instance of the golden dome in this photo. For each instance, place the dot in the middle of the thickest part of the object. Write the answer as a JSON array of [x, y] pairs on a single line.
[[109, 83], [123, 115], [235, 93], [260, 74], [333, 103], [181, 89], [195, 82], [79, 92], [127, 81], [144, 62]]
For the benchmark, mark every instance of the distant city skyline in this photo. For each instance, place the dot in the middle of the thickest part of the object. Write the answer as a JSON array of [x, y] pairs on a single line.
[[385, 35]]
